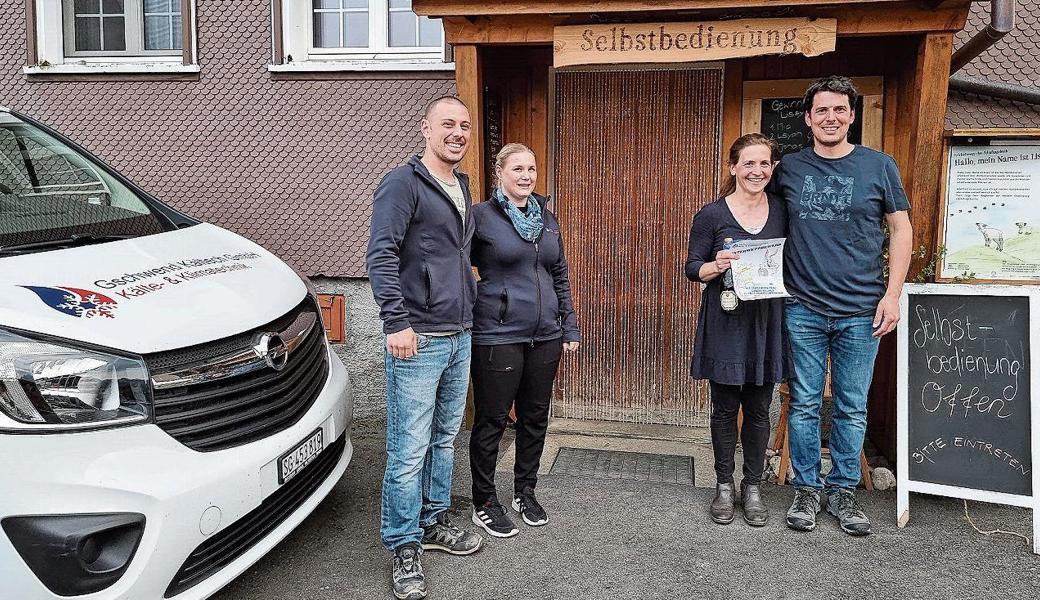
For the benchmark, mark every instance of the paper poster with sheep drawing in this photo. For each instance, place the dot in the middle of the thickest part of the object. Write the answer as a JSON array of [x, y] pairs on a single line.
[[991, 228]]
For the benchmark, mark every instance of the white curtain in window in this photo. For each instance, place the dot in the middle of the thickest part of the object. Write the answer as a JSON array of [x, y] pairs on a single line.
[[162, 24]]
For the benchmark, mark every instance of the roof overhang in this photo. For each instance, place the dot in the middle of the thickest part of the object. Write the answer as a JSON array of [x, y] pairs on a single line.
[[472, 8], [533, 21]]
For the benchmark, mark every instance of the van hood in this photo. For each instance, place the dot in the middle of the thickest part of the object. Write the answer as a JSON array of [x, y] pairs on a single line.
[[149, 294]]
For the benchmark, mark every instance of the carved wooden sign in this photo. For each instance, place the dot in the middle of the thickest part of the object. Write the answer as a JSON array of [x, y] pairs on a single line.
[[690, 42]]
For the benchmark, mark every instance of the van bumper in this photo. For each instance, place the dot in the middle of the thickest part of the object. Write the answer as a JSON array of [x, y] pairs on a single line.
[[186, 497]]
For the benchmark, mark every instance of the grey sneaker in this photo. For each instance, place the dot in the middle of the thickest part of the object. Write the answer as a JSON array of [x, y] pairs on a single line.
[[408, 580], [842, 504], [802, 514], [446, 537]]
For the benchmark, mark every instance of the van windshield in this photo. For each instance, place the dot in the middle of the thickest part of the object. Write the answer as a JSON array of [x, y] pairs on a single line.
[[52, 196]]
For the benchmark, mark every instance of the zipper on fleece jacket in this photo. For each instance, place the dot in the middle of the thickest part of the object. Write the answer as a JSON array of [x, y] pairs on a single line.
[[538, 291], [425, 174]]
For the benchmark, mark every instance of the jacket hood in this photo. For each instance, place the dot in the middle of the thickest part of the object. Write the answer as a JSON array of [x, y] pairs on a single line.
[[151, 293]]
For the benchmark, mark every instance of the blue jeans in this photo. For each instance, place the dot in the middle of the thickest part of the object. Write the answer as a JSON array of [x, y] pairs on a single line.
[[425, 400], [852, 349]]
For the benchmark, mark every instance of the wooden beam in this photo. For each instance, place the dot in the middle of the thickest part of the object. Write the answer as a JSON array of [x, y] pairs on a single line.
[[864, 20], [780, 88], [852, 21], [928, 109], [469, 82], [446, 8], [499, 30], [732, 96]]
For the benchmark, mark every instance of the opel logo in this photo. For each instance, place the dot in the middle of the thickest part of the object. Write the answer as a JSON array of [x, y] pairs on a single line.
[[273, 350]]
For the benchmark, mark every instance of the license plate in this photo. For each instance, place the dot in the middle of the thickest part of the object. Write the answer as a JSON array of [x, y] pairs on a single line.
[[293, 461]]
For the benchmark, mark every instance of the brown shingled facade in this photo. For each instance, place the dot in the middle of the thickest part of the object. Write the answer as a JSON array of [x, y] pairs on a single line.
[[1014, 59], [290, 164]]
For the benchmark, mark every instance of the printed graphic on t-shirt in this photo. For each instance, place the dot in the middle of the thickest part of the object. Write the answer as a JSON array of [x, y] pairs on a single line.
[[826, 198]]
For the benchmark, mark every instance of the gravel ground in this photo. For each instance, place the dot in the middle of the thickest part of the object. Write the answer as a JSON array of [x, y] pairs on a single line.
[[629, 539]]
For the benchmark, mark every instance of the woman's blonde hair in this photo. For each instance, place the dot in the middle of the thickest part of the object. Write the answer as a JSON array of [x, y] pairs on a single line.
[[507, 151], [729, 184]]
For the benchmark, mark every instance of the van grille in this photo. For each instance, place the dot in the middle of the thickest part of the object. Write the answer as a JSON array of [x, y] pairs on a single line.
[[236, 539], [225, 412]]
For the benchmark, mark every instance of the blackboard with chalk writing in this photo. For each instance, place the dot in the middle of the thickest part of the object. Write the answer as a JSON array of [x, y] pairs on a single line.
[[783, 120], [968, 392]]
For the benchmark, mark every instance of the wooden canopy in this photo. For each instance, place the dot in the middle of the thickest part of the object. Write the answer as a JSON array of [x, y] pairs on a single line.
[[907, 43]]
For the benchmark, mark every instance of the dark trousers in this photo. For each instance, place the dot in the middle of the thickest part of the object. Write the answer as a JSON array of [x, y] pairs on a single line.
[[504, 374], [726, 400]]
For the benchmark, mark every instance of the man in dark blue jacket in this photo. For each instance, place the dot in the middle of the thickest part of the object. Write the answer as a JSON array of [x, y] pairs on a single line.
[[419, 268]]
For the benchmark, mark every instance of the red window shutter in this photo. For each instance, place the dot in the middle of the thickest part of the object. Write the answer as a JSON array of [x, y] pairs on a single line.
[[333, 313]]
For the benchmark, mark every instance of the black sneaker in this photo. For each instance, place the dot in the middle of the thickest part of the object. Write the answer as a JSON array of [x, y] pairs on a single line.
[[802, 514], [527, 505], [842, 504], [444, 536], [407, 579], [492, 517]]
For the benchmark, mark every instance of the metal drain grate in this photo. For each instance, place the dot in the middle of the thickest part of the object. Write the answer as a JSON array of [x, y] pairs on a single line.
[[611, 464]]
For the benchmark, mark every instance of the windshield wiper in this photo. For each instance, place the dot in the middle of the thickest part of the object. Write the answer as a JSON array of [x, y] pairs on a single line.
[[76, 239]]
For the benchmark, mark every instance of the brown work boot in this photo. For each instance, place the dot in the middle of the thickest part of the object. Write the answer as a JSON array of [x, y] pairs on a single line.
[[755, 512], [722, 506]]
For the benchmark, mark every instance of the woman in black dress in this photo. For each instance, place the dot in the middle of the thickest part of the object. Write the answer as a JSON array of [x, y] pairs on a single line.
[[742, 353]]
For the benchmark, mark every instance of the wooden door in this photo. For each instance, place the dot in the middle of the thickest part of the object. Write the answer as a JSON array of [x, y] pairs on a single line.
[[635, 156]]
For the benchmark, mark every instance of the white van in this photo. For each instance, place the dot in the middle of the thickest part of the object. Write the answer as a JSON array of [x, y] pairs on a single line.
[[169, 407]]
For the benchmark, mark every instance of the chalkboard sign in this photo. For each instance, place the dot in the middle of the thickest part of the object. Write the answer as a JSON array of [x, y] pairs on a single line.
[[968, 425], [969, 392], [783, 120]]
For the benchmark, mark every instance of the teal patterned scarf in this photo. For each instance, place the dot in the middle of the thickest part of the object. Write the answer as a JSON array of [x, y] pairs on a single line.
[[528, 225]]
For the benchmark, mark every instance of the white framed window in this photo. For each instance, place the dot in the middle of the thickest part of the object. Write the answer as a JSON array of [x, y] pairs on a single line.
[[119, 36], [122, 27], [359, 35]]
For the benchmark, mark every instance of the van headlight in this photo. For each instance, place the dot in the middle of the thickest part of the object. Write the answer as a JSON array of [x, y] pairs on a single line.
[[47, 385]]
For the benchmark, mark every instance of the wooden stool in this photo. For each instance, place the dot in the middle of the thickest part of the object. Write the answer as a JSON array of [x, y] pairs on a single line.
[[782, 446]]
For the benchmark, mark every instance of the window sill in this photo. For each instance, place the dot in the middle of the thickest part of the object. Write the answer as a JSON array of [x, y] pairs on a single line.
[[325, 66], [121, 68]]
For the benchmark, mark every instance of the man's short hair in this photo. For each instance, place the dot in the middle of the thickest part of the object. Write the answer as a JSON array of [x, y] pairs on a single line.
[[436, 101], [832, 83]]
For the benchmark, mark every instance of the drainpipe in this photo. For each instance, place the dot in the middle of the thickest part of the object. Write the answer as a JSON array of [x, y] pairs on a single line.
[[984, 87], [1001, 22]]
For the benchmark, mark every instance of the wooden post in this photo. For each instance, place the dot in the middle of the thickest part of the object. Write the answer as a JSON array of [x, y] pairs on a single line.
[[469, 81], [928, 110], [733, 97]]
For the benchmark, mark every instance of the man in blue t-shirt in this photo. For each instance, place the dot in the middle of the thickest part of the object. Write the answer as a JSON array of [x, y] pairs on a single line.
[[838, 196]]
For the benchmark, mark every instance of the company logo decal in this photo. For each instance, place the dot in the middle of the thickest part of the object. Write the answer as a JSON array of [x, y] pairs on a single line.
[[76, 302]]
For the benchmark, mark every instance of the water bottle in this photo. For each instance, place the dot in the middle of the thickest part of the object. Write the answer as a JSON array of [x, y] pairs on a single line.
[[730, 302]]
